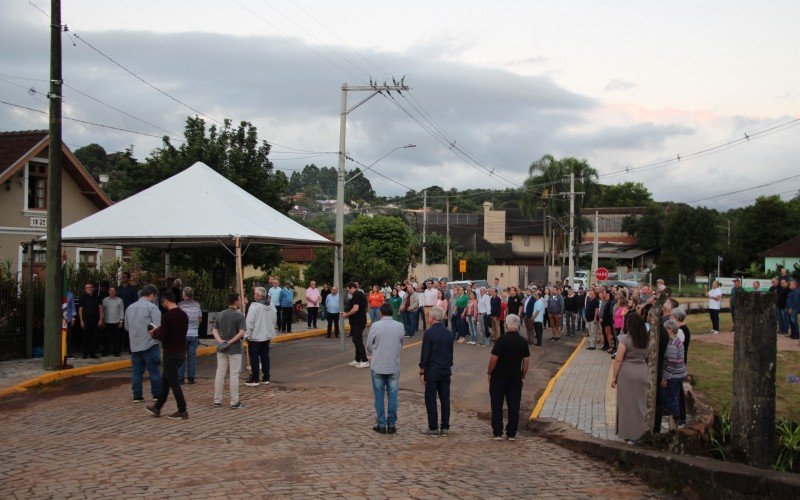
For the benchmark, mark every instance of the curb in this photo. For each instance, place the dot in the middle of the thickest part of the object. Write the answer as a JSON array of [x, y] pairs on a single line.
[[55, 376], [540, 403], [704, 477]]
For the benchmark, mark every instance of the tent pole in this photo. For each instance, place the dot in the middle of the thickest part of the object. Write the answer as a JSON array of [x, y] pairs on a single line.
[[240, 290], [167, 268]]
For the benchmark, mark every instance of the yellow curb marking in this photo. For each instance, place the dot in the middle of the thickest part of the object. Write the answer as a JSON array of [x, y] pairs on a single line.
[[50, 377], [412, 345], [539, 404]]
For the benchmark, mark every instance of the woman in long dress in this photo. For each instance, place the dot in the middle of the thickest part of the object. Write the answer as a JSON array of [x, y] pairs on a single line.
[[630, 379]]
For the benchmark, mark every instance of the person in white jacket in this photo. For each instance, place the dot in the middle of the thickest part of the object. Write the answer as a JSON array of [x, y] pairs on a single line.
[[261, 320]]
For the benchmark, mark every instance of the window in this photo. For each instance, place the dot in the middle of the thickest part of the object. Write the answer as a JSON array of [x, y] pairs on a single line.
[[526, 240], [88, 258], [37, 186]]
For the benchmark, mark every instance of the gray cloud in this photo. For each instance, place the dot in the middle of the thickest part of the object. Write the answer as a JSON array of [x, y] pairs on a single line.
[[501, 118]]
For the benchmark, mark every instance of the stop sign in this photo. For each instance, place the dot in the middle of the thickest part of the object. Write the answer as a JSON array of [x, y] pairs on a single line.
[[601, 273]]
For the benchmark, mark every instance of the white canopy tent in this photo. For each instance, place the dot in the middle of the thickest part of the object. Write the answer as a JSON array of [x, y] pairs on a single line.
[[194, 208]]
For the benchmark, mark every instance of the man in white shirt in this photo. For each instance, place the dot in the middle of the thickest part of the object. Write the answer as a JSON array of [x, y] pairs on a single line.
[[484, 320], [261, 321], [275, 296], [714, 304], [430, 296]]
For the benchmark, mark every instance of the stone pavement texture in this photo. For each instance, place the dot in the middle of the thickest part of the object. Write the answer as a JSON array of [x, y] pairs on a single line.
[[94, 442], [15, 371], [582, 396]]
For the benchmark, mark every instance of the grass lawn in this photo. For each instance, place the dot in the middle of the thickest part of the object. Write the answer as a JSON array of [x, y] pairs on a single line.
[[701, 322], [711, 366]]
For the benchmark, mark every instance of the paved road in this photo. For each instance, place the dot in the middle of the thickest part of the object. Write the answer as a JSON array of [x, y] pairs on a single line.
[[307, 435]]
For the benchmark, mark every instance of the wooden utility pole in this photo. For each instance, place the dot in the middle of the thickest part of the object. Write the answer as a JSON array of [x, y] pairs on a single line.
[[447, 238], [654, 362], [53, 284], [754, 358]]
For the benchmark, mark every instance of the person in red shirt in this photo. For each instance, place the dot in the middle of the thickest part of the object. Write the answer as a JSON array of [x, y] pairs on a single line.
[[172, 334], [375, 299]]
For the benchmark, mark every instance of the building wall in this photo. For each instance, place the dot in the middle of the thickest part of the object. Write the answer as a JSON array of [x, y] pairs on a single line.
[[771, 263], [16, 221], [494, 224], [535, 247]]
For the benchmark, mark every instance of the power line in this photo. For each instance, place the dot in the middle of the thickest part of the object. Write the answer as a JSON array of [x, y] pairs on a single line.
[[337, 37], [336, 53], [86, 122], [745, 189], [152, 86], [298, 41]]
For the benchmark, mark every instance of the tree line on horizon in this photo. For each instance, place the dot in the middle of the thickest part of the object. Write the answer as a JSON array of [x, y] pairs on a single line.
[[687, 239]]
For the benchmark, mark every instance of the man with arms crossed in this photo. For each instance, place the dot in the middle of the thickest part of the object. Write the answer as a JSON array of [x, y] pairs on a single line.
[[195, 314], [385, 342], [261, 321]]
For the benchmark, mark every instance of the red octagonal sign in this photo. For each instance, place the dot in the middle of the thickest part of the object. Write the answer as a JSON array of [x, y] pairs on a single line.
[[601, 273]]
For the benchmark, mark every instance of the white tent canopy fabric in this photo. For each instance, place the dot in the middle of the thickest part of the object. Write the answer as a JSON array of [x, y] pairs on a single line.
[[194, 208]]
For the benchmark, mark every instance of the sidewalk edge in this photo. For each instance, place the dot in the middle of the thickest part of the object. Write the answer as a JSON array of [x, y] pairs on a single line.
[[50, 377], [540, 403]]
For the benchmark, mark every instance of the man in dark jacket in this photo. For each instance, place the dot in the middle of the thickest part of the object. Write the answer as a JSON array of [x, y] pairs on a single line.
[[435, 365], [172, 334]]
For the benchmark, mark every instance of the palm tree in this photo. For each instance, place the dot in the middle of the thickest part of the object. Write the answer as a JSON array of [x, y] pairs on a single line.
[[547, 188]]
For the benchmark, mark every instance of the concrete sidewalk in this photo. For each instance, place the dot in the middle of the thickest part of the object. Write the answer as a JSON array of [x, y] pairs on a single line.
[[580, 394], [18, 374]]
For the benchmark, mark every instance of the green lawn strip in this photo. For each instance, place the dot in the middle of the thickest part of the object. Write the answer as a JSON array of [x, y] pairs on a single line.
[[701, 323], [711, 367]]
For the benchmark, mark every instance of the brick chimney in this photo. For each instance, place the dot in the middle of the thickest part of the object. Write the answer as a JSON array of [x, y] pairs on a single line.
[[494, 224]]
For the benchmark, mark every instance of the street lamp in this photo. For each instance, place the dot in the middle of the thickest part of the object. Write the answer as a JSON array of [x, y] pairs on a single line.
[[369, 167], [338, 268]]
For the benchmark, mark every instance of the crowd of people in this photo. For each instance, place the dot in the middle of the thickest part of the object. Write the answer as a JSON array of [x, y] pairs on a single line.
[[614, 320]]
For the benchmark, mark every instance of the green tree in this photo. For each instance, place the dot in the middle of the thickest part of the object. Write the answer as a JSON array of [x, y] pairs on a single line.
[[376, 248], [93, 158], [690, 239], [758, 227], [436, 247], [477, 264], [358, 187], [321, 268], [647, 228], [625, 194], [548, 180]]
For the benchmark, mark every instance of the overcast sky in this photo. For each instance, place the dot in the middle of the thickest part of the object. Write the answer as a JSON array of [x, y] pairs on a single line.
[[619, 83]]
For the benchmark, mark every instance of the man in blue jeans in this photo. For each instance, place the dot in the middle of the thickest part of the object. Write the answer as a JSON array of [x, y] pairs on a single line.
[[435, 368], [195, 313], [384, 343], [142, 316]]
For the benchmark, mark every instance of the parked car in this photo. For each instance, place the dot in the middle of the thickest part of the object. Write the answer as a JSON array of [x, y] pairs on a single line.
[[476, 284], [630, 285]]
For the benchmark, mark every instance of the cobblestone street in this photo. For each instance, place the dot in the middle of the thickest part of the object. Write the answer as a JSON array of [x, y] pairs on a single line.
[[93, 442]]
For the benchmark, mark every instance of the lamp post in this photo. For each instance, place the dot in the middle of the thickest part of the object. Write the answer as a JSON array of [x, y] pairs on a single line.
[[339, 260], [369, 167]]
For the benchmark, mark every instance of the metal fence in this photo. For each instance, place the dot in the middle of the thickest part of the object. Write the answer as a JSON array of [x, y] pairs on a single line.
[[13, 326]]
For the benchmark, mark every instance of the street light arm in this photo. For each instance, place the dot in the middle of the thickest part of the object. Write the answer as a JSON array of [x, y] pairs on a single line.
[[369, 167]]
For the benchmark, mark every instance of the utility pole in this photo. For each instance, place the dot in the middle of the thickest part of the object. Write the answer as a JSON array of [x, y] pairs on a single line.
[[447, 238], [544, 235], [338, 261], [424, 234], [595, 246], [53, 284], [571, 264]]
